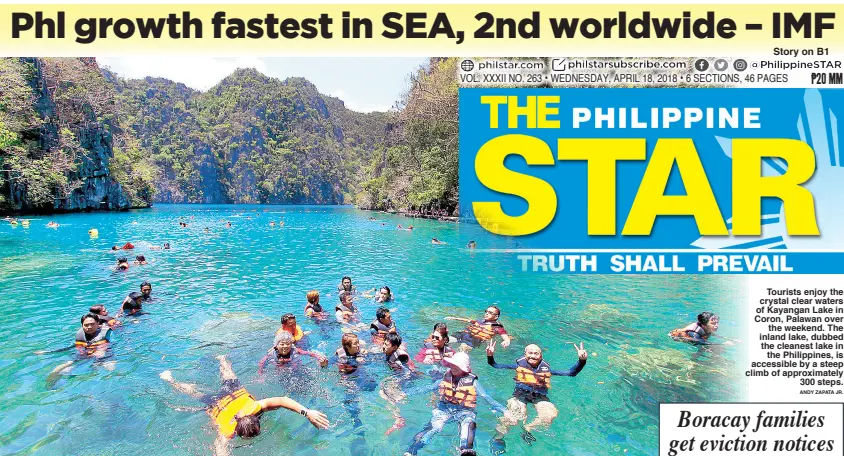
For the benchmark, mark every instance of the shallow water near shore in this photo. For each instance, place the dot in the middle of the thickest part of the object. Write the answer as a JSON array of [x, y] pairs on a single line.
[[223, 292]]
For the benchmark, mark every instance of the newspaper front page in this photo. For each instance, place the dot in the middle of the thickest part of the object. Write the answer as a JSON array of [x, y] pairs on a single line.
[[401, 229]]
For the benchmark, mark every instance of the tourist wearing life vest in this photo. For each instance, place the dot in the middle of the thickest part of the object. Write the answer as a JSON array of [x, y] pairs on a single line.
[[284, 353], [288, 325], [699, 332], [392, 389], [533, 379], [235, 412], [102, 314], [146, 291], [482, 331], [346, 285], [458, 397], [92, 339], [436, 347], [313, 309], [350, 359], [345, 311], [132, 304], [382, 325]]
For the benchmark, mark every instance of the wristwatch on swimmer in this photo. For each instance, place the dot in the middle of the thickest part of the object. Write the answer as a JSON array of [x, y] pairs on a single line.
[[304, 412]]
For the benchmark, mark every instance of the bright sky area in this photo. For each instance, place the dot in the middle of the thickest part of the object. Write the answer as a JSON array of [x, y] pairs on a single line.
[[364, 84]]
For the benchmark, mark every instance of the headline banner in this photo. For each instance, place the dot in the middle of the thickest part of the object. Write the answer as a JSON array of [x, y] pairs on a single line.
[[442, 30]]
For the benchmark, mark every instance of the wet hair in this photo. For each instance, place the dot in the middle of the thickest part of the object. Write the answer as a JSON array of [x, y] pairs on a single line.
[[96, 309], [88, 315], [146, 284], [166, 245], [283, 336], [135, 295], [394, 339], [497, 310], [441, 328], [381, 312], [704, 317], [140, 258], [122, 260], [389, 292], [247, 426], [286, 317], [347, 339], [312, 296], [114, 247]]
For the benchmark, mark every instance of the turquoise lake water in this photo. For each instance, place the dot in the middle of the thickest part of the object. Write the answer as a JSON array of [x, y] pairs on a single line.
[[224, 292]]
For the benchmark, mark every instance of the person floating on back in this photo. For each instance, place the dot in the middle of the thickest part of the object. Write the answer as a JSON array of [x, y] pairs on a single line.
[[479, 332]]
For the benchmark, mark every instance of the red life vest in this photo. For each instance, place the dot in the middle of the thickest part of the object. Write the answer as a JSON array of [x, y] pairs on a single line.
[[429, 354]]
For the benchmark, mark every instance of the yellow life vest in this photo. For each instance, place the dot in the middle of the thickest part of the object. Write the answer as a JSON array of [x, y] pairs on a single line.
[[461, 393], [225, 409]]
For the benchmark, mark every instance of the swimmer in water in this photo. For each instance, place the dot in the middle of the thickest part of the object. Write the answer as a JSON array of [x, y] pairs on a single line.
[[436, 241], [382, 325], [285, 353], [479, 332], [533, 379], [471, 245], [228, 224], [140, 260], [346, 285], [313, 309], [52, 225], [146, 291], [122, 264], [288, 325], [235, 412], [102, 315], [699, 332], [132, 304], [436, 347], [384, 295], [458, 398], [92, 339], [345, 311]]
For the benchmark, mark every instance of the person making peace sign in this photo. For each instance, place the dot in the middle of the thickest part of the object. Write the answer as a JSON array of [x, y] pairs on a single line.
[[533, 378]]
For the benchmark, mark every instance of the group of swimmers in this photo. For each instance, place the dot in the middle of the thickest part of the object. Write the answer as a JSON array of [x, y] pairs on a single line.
[[236, 413]]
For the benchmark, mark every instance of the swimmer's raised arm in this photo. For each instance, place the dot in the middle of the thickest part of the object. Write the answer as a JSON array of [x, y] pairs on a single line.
[[465, 320], [317, 418]]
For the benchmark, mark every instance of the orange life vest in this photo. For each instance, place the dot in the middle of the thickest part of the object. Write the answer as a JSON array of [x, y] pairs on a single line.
[[461, 393], [682, 334], [483, 331], [225, 409], [538, 379]]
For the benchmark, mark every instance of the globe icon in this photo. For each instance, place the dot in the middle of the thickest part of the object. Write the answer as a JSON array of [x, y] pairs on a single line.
[[467, 65]]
